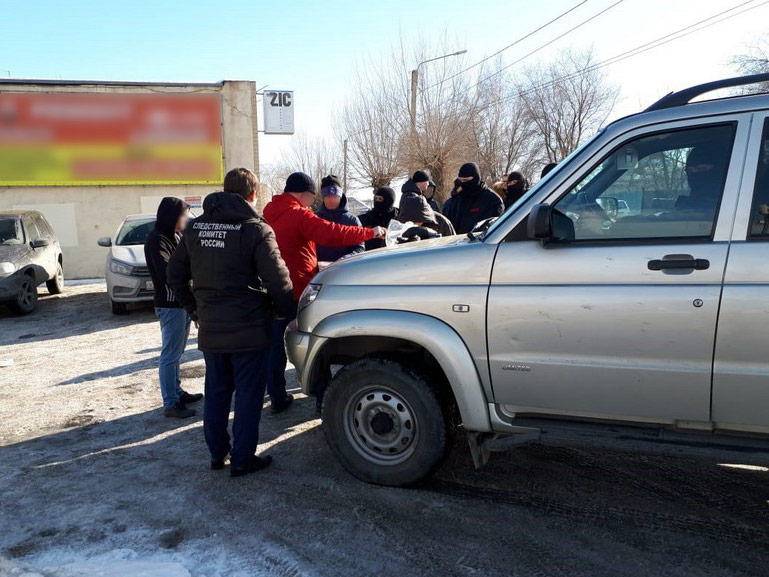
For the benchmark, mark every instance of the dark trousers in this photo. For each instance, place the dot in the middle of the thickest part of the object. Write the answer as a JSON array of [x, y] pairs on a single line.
[[244, 375], [276, 362], [276, 366]]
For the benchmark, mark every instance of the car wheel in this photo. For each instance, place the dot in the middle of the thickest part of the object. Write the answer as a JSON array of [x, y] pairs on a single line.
[[55, 286], [385, 423], [119, 308], [26, 299]]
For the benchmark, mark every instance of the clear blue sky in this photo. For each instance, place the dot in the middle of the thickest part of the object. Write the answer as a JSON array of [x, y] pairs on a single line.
[[312, 47]]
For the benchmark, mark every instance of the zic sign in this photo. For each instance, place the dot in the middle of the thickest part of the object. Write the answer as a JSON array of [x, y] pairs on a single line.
[[279, 112], [99, 139]]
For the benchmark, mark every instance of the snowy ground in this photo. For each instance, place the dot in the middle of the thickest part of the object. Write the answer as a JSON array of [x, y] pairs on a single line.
[[94, 481]]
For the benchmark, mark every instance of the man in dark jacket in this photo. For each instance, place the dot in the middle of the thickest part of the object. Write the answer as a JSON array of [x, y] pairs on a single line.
[[383, 212], [172, 217], [334, 209], [239, 283], [471, 201], [417, 185]]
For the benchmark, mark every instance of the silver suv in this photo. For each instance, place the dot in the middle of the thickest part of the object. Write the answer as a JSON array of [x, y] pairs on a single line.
[[628, 287]]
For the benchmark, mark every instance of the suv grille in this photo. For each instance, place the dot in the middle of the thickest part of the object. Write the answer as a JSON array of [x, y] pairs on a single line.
[[141, 271]]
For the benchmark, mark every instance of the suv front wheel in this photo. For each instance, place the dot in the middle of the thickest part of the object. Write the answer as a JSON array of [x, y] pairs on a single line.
[[385, 423]]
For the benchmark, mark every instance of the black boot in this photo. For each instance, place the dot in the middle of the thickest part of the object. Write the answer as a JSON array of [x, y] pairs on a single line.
[[279, 408], [256, 464], [179, 411], [188, 399]]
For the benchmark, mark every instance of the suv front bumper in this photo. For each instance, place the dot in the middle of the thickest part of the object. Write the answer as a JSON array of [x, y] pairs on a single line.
[[297, 350], [10, 286]]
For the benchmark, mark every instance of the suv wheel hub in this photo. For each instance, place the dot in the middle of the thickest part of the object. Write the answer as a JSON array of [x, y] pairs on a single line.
[[381, 425]]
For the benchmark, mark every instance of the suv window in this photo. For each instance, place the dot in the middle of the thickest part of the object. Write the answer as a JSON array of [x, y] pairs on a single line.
[[665, 185], [759, 214], [42, 226], [31, 228]]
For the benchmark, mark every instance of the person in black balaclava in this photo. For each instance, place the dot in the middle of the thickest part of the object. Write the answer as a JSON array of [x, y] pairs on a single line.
[[429, 194], [705, 170], [517, 185], [383, 212], [471, 200]]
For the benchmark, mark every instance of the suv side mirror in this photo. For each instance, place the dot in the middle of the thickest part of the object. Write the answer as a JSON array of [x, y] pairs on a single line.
[[104, 241], [40, 243], [548, 225]]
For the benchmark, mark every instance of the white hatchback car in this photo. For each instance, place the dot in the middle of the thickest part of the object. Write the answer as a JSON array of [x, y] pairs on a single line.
[[128, 278]]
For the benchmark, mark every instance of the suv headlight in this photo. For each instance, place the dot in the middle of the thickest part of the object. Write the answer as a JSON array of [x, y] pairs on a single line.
[[119, 267], [7, 269], [308, 296]]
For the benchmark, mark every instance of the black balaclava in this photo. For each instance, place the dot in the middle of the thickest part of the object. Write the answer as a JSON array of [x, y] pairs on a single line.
[[388, 194], [470, 169], [520, 186]]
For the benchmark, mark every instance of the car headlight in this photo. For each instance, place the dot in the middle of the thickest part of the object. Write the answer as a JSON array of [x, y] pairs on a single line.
[[308, 296], [119, 267], [7, 269]]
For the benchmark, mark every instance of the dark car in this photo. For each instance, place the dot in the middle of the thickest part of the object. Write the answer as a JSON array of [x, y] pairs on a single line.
[[30, 255]]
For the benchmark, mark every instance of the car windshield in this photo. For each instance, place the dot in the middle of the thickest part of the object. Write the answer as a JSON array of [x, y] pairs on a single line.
[[10, 231], [135, 231]]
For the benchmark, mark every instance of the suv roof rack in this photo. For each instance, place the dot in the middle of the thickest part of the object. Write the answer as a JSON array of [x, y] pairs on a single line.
[[685, 96]]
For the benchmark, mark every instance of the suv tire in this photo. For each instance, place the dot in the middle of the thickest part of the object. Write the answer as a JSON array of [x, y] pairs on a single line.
[[55, 286], [26, 299], [385, 423]]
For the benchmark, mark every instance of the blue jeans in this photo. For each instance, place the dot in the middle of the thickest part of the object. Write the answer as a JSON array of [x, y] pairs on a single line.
[[244, 375], [174, 329]]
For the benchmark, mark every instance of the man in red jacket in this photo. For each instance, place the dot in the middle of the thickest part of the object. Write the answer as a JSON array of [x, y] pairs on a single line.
[[298, 230]]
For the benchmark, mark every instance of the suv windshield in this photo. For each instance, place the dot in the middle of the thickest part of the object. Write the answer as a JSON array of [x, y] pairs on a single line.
[[135, 231], [10, 230]]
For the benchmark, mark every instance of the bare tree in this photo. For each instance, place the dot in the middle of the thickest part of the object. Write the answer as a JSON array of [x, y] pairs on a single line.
[[567, 99], [754, 61], [373, 122]]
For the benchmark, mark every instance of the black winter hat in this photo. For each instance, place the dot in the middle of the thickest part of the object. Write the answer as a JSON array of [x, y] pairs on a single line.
[[330, 180], [421, 176], [300, 182], [469, 169], [515, 176]]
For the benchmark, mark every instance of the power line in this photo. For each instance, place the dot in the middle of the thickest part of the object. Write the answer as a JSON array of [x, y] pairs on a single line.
[[548, 43], [518, 41], [662, 40]]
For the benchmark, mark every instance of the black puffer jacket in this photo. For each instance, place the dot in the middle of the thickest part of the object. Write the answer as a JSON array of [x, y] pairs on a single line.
[[240, 280], [160, 245], [467, 208]]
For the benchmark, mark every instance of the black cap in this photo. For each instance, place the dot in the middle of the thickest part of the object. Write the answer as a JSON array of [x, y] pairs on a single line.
[[421, 176], [469, 169], [299, 182], [515, 175], [330, 180]]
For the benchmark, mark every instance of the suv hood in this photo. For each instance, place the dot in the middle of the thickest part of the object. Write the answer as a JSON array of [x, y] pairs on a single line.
[[449, 260], [13, 252], [131, 254]]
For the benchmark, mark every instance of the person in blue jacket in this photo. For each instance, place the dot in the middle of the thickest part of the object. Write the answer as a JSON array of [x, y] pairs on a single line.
[[334, 209]]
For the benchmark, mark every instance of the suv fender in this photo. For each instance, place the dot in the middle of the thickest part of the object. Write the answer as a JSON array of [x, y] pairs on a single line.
[[435, 336]]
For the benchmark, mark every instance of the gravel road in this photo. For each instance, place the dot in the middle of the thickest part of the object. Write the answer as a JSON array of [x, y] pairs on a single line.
[[95, 481]]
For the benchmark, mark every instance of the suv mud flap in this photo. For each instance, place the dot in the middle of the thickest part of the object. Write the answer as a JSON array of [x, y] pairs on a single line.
[[482, 444]]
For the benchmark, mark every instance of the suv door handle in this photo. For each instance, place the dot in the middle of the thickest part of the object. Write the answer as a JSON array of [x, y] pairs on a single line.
[[679, 262]]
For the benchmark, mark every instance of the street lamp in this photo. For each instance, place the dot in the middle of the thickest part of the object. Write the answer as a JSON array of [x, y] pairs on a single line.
[[414, 85]]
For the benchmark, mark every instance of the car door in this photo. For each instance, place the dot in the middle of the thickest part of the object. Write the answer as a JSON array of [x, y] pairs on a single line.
[[49, 253], [620, 322], [37, 256], [741, 364]]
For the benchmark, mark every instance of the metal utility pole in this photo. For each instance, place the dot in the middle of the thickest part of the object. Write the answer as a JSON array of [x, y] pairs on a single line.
[[413, 111]]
